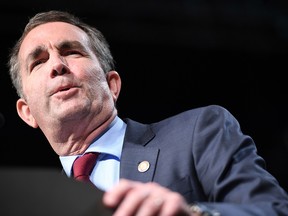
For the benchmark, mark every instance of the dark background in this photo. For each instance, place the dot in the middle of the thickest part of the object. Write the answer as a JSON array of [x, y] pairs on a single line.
[[173, 56]]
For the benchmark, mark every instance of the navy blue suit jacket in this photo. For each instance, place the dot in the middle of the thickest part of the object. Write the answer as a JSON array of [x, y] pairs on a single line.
[[203, 154]]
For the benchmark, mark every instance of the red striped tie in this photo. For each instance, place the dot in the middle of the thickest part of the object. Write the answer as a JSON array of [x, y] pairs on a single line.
[[83, 166]]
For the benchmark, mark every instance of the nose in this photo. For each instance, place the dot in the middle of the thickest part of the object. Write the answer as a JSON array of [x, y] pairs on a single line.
[[59, 67]]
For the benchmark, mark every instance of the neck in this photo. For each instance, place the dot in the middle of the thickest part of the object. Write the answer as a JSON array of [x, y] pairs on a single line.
[[76, 140]]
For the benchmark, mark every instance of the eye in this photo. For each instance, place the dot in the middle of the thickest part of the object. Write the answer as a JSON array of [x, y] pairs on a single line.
[[36, 63], [72, 52]]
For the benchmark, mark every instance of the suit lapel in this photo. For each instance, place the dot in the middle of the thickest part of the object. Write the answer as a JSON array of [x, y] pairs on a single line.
[[138, 161]]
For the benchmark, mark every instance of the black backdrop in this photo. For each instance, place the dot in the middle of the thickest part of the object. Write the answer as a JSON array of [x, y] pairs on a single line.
[[173, 56]]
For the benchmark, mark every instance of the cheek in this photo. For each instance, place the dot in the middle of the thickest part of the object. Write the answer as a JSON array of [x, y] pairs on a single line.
[[95, 78], [33, 89], [95, 73], [97, 87]]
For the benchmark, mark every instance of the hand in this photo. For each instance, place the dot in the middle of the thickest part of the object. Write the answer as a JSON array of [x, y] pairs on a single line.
[[130, 198]]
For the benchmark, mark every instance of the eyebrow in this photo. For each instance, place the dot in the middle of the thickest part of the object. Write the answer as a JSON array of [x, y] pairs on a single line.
[[64, 45], [70, 45], [35, 53]]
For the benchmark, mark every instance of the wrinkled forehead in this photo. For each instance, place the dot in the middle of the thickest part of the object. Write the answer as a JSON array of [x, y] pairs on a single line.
[[49, 35]]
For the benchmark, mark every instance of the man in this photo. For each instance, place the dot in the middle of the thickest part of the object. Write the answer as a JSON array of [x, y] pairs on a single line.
[[195, 163]]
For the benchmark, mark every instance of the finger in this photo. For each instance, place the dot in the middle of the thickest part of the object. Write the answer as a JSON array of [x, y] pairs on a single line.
[[116, 194], [152, 203], [136, 196], [133, 200], [150, 206], [164, 203]]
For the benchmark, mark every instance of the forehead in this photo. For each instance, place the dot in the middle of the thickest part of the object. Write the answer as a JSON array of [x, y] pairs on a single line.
[[50, 34]]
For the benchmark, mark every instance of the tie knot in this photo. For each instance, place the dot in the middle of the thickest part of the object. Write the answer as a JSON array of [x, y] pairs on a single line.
[[83, 166]]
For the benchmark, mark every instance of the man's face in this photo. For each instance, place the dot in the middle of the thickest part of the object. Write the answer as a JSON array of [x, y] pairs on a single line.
[[61, 76]]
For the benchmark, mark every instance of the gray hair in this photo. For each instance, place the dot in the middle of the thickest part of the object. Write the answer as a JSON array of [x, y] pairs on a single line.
[[97, 42]]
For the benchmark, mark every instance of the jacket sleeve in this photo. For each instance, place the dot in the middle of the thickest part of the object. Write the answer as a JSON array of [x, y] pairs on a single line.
[[232, 174]]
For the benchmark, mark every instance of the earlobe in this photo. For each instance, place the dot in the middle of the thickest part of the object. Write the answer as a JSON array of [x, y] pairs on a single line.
[[23, 111], [114, 82]]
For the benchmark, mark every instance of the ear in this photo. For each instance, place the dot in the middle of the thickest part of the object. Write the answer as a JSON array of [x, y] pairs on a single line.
[[114, 82], [24, 113]]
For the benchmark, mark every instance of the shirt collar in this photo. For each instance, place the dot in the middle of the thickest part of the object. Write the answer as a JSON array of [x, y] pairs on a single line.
[[110, 142]]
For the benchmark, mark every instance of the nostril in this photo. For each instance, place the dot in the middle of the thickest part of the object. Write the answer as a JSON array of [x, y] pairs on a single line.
[[54, 73], [60, 71], [63, 71]]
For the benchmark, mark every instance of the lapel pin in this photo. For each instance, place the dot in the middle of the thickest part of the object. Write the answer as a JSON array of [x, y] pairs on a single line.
[[143, 166]]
